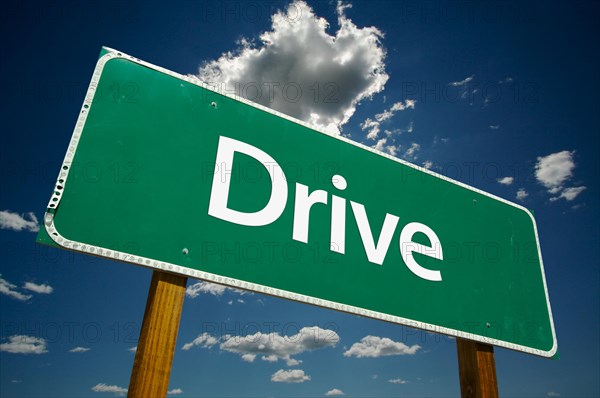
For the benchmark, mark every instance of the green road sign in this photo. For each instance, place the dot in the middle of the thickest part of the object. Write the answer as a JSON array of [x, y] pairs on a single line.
[[164, 172]]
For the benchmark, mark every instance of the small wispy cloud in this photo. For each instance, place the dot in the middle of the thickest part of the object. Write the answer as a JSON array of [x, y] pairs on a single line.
[[40, 289], [101, 387], [373, 127], [79, 349], [463, 82], [494, 126], [22, 344], [18, 222], [569, 194], [506, 180], [397, 107], [411, 152], [213, 289], [334, 393], [175, 391], [204, 340], [11, 290], [522, 194], [397, 381], [507, 79]]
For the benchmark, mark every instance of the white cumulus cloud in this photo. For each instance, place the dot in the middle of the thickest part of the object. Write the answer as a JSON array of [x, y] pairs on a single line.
[[273, 347], [79, 349], [374, 347], [270, 347], [506, 180], [522, 194], [175, 391], [204, 340], [300, 69], [397, 381], [22, 344], [41, 289], [334, 393], [101, 387], [428, 164], [10, 290], [554, 170], [290, 376], [17, 222]]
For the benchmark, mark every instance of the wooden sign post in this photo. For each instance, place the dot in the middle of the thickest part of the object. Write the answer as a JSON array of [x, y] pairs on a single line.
[[156, 346], [477, 369]]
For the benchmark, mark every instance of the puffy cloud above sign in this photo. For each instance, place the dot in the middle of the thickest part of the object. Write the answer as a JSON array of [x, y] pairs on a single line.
[[299, 69]]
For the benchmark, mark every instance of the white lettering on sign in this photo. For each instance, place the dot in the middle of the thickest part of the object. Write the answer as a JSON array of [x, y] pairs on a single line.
[[304, 200]]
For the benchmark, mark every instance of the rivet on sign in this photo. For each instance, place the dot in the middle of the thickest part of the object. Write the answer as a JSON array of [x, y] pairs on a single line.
[[213, 104], [185, 251], [488, 325], [474, 201]]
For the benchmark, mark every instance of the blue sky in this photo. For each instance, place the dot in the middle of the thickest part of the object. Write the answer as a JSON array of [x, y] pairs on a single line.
[[500, 95]]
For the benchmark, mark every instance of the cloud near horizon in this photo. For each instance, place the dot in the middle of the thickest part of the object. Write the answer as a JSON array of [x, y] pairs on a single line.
[[270, 347], [375, 347], [290, 376], [101, 387]]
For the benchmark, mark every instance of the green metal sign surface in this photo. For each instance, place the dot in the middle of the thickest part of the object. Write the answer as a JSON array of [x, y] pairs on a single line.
[[164, 172]]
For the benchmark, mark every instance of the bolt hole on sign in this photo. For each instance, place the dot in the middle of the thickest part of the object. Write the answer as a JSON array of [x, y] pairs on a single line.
[[167, 173]]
